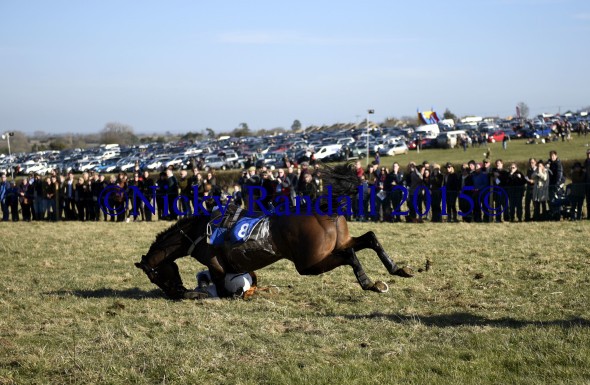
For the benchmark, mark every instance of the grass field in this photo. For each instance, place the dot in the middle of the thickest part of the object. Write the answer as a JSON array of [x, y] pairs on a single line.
[[517, 151], [502, 303]]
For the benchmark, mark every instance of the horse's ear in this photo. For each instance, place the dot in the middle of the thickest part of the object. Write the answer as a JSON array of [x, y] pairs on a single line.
[[138, 265]]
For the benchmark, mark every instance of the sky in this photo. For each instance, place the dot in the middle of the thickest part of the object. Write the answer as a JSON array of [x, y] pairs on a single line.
[[179, 66]]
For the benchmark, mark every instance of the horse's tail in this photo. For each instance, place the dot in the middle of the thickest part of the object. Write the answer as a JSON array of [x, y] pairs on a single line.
[[342, 180]]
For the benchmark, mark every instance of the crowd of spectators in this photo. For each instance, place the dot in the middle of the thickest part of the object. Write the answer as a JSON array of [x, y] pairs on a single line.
[[476, 192]]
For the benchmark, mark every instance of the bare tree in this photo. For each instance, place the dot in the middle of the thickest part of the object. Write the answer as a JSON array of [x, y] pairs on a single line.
[[114, 132]]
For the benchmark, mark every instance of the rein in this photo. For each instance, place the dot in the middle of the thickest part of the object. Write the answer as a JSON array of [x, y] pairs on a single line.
[[193, 243]]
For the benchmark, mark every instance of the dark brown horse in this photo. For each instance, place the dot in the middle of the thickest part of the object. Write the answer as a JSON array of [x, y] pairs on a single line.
[[314, 243]]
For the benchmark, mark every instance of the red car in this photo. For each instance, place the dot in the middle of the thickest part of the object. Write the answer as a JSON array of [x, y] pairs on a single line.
[[412, 143], [496, 136]]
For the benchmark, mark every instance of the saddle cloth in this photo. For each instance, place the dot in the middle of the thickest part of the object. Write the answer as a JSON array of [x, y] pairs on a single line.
[[236, 227]]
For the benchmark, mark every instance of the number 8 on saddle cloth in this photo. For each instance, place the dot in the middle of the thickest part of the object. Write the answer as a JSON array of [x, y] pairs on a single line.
[[240, 232]]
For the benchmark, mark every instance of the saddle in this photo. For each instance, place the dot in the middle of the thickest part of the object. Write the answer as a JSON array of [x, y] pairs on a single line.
[[236, 226]]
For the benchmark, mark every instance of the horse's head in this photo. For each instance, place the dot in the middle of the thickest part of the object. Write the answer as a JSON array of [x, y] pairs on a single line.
[[143, 265], [186, 237]]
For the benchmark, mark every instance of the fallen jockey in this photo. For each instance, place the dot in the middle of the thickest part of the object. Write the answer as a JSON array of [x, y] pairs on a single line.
[[240, 285]]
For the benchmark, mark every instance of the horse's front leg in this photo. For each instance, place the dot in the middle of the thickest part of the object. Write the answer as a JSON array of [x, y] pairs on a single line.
[[369, 241]]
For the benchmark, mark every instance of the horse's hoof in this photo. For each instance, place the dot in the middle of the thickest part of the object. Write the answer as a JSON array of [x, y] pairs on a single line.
[[404, 272], [191, 294], [380, 287]]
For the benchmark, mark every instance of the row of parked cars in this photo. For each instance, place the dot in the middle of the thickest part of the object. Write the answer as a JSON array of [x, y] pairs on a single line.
[[228, 153]]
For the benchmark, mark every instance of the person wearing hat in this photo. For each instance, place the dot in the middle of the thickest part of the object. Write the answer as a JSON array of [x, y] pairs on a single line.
[[577, 191], [587, 180]]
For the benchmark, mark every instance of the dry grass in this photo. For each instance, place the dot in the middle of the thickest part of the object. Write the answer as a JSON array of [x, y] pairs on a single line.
[[503, 303]]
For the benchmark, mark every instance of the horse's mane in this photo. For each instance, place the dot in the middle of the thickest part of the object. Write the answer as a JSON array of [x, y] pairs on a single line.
[[343, 181], [342, 178]]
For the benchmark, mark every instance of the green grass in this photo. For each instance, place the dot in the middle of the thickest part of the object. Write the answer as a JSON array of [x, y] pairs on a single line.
[[503, 303], [517, 151]]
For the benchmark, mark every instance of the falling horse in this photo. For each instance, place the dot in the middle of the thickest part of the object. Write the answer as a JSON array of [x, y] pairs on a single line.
[[314, 243]]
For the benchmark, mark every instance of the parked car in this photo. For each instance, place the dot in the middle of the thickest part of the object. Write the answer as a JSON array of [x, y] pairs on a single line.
[[215, 162], [424, 143], [542, 132], [107, 166], [496, 136], [88, 166], [328, 150], [175, 163], [157, 163], [395, 149], [39, 168]]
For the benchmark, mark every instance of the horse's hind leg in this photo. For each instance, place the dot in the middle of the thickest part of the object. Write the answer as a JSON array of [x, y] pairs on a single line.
[[369, 241], [361, 276]]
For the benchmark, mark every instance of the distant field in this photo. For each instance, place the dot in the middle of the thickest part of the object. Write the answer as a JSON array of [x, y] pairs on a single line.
[[517, 151], [502, 304]]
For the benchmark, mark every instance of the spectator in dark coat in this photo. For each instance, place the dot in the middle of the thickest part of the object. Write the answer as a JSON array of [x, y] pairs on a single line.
[[515, 188], [394, 194], [556, 176], [500, 179], [4, 187], [12, 200], [435, 185], [452, 182], [25, 196], [577, 191], [587, 180], [172, 193]]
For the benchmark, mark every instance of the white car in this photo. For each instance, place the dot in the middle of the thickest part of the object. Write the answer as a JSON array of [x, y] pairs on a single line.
[[127, 165], [88, 166], [175, 163], [328, 150], [39, 168], [395, 149], [157, 163]]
